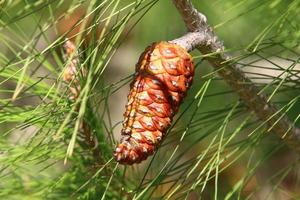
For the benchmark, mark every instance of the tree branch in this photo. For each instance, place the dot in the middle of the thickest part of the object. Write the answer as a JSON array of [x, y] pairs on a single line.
[[204, 39], [71, 76]]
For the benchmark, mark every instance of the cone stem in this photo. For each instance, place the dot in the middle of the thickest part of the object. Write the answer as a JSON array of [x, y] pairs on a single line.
[[202, 37]]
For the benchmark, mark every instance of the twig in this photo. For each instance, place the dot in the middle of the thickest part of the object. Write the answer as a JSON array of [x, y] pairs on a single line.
[[204, 39], [71, 76]]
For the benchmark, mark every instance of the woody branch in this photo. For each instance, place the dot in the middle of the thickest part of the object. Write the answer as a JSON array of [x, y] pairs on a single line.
[[202, 37]]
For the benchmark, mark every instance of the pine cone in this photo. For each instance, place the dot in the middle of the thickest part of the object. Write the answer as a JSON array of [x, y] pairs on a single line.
[[163, 75], [71, 75]]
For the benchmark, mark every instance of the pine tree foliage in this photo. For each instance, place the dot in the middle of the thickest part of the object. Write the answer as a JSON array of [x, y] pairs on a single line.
[[216, 147]]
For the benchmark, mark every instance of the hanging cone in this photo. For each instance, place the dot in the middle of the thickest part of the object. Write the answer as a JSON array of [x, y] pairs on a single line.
[[163, 75]]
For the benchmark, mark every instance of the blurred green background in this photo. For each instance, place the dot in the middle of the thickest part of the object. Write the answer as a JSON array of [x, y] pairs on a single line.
[[240, 24]]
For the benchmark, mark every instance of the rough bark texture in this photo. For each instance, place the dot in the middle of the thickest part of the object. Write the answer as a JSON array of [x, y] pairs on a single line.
[[204, 39]]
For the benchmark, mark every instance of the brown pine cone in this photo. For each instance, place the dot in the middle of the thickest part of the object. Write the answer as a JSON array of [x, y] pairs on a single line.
[[71, 75], [163, 74]]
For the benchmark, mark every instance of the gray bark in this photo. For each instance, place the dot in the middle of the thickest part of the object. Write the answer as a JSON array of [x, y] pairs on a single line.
[[202, 37]]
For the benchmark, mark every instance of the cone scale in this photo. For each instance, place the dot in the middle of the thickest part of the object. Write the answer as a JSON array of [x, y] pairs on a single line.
[[164, 73]]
